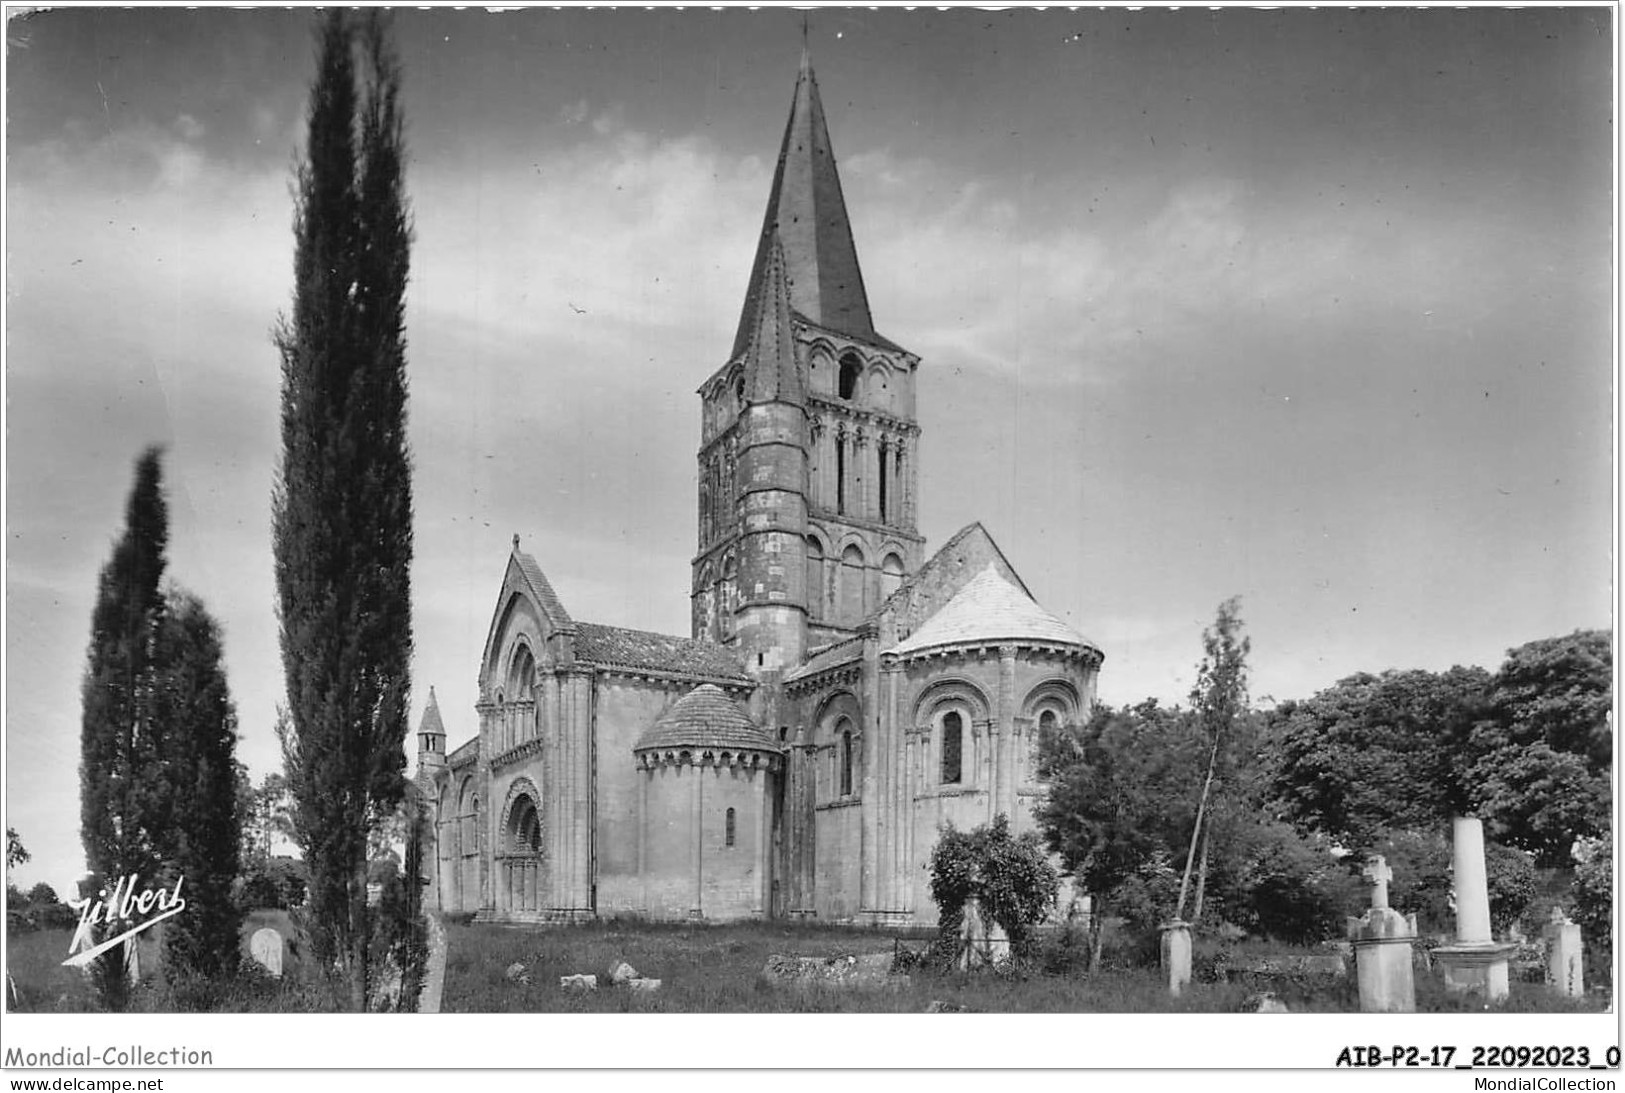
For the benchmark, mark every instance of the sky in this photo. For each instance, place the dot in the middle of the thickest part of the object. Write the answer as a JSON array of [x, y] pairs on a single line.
[[1310, 307]]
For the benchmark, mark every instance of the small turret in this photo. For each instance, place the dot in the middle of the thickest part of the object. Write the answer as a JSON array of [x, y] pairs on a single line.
[[770, 619], [431, 738]]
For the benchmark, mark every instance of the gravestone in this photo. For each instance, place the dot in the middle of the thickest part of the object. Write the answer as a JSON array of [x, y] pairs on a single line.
[[578, 982], [1382, 940], [1565, 960], [983, 942], [266, 949], [1176, 954]]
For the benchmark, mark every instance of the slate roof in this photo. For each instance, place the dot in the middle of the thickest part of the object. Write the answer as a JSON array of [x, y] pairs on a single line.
[[830, 656], [469, 747], [706, 718], [617, 647], [989, 608], [806, 210]]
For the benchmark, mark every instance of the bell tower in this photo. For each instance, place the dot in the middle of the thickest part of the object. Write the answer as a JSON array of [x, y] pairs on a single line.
[[807, 479]]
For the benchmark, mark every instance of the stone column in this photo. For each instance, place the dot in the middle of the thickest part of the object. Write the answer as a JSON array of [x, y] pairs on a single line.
[[1382, 941], [695, 835], [1565, 960], [1176, 954], [1474, 961], [1469, 880]]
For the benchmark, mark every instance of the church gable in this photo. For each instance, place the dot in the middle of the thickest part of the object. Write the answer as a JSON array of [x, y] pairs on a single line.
[[527, 612], [950, 569]]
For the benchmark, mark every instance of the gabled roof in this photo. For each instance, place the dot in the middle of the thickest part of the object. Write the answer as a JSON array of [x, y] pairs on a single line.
[[706, 718], [540, 588], [771, 372], [830, 656], [617, 647], [989, 608], [807, 211]]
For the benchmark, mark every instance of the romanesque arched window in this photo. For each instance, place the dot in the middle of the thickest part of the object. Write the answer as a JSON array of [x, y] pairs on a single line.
[[953, 744], [850, 368], [846, 759], [521, 692], [728, 828], [851, 586], [815, 577], [1048, 728], [891, 575]]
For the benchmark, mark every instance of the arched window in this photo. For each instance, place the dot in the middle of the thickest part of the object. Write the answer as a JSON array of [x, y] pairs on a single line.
[[840, 473], [953, 742], [728, 828], [885, 451], [891, 575], [850, 367], [815, 577], [522, 687], [846, 760], [851, 605], [1049, 724]]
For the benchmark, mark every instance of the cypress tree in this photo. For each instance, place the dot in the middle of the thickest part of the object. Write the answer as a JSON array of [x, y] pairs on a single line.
[[199, 841], [342, 519], [121, 804]]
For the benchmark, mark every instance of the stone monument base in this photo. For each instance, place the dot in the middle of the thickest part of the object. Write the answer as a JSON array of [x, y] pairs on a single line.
[[1480, 967]]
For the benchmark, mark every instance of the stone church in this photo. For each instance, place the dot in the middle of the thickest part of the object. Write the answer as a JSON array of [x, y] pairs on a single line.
[[843, 695]]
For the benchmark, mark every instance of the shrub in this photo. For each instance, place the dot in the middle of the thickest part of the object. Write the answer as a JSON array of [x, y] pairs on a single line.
[[1592, 893], [1008, 875]]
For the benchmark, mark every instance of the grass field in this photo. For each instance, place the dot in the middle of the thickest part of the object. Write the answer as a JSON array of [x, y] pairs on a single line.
[[708, 969], [43, 985], [717, 970]]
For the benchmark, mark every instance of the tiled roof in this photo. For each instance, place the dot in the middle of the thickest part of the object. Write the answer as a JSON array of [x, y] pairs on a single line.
[[937, 561], [617, 647], [706, 718], [989, 608], [831, 656], [538, 584], [469, 748]]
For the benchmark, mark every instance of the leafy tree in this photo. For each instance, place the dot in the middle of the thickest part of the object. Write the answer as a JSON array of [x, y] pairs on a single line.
[[119, 807], [1593, 891], [1219, 701], [343, 505], [1008, 875], [16, 853], [197, 767], [1123, 794], [1374, 752], [1539, 767], [1421, 863], [269, 816]]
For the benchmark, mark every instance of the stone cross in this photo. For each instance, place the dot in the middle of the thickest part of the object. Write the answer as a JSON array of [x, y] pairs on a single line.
[[1379, 874]]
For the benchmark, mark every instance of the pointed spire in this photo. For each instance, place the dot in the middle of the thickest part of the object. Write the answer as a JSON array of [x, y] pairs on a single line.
[[807, 211], [431, 722], [771, 373]]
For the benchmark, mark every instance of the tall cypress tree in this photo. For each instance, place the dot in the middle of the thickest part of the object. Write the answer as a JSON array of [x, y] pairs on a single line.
[[121, 804], [343, 504], [198, 769]]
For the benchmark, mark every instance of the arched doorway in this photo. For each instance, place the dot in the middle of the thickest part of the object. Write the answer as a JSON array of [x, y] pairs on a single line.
[[521, 854]]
